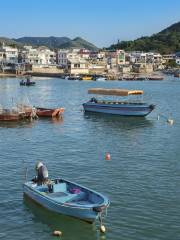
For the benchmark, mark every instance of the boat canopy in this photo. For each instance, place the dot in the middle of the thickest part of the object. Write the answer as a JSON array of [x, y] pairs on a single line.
[[115, 91]]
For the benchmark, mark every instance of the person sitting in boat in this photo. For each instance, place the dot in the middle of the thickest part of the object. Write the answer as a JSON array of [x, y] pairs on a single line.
[[93, 100], [42, 173], [28, 80]]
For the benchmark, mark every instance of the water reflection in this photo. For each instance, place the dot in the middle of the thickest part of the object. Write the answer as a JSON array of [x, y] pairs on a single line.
[[71, 228], [114, 121], [17, 124]]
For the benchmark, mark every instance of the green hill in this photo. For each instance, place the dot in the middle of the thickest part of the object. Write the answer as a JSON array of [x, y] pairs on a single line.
[[9, 42], [79, 43], [51, 42], [166, 41], [56, 42]]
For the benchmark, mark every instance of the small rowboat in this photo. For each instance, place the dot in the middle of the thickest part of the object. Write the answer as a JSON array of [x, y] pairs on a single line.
[[68, 198], [49, 112]]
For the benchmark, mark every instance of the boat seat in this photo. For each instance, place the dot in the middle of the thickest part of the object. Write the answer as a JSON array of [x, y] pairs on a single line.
[[60, 187]]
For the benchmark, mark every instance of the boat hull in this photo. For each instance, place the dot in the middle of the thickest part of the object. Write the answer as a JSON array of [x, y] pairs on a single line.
[[82, 212], [45, 112], [128, 109], [10, 116]]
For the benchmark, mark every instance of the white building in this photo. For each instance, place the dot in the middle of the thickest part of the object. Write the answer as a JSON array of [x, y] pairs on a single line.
[[62, 57], [38, 56], [8, 54], [77, 66]]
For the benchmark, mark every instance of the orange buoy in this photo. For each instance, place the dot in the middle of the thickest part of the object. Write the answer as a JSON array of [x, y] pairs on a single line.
[[108, 156]]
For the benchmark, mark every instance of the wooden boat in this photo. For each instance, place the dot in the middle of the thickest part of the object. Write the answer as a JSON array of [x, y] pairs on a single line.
[[12, 115], [49, 112], [68, 198], [121, 108]]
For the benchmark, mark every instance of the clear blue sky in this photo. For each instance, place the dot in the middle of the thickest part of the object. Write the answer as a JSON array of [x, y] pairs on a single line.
[[101, 22]]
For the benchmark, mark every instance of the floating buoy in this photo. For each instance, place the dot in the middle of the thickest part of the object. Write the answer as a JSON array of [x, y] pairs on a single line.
[[102, 229], [108, 156], [170, 121], [57, 233], [158, 117]]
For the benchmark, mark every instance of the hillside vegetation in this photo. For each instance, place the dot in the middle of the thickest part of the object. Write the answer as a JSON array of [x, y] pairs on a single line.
[[166, 41]]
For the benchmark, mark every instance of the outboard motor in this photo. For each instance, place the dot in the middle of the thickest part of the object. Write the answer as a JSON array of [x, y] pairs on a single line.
[[42, 173]]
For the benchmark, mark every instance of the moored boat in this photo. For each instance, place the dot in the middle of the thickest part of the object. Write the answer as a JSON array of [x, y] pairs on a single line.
[[13, 115], [155, 78], [128, 78], [66, 197], [121, 108], [49, 112], [28, 82]]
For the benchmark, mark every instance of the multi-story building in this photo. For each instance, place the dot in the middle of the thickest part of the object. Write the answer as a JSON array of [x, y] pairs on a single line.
[[77, 66], [9, 54], [38, 56], [62, 57]]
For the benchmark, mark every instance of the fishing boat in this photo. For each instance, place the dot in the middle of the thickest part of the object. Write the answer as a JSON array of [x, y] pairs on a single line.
[[28, 82], [155, 78], [14, 115], [49, 112], [121, 108], [68, 198]]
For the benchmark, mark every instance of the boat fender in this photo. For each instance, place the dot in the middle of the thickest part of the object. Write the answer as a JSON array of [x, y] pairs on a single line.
[[102, 229], [57, 233]]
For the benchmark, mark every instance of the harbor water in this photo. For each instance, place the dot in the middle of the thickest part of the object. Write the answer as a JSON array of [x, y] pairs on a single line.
[[141, 179]]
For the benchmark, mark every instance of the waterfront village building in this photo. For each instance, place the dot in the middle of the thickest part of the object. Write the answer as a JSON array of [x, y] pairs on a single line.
[[167, 57], [84, 53], [62, 57], [115, 58], [77, 66], [38, 56], [8, 54]]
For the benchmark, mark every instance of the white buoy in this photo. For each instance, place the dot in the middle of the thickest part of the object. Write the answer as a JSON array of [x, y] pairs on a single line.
[[57, 233], [102, 229], [158, 117], [170, 121]]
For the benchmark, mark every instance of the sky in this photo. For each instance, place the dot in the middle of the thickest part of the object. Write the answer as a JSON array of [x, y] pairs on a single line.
[[101, 22]]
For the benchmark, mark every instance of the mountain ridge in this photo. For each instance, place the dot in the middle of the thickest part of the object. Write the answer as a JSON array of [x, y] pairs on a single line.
[[57, 42]]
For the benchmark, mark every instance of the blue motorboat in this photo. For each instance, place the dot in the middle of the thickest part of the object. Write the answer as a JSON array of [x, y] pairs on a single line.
[[65, 197], [121, 108]]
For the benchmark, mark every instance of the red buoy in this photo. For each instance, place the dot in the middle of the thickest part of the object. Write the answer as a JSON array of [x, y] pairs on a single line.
[[108, 156]]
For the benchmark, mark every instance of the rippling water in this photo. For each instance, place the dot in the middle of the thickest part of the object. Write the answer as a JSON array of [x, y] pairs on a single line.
[[141, 180]]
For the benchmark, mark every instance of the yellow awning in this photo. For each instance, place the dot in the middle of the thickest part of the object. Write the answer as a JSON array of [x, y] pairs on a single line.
[[115, 91]]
